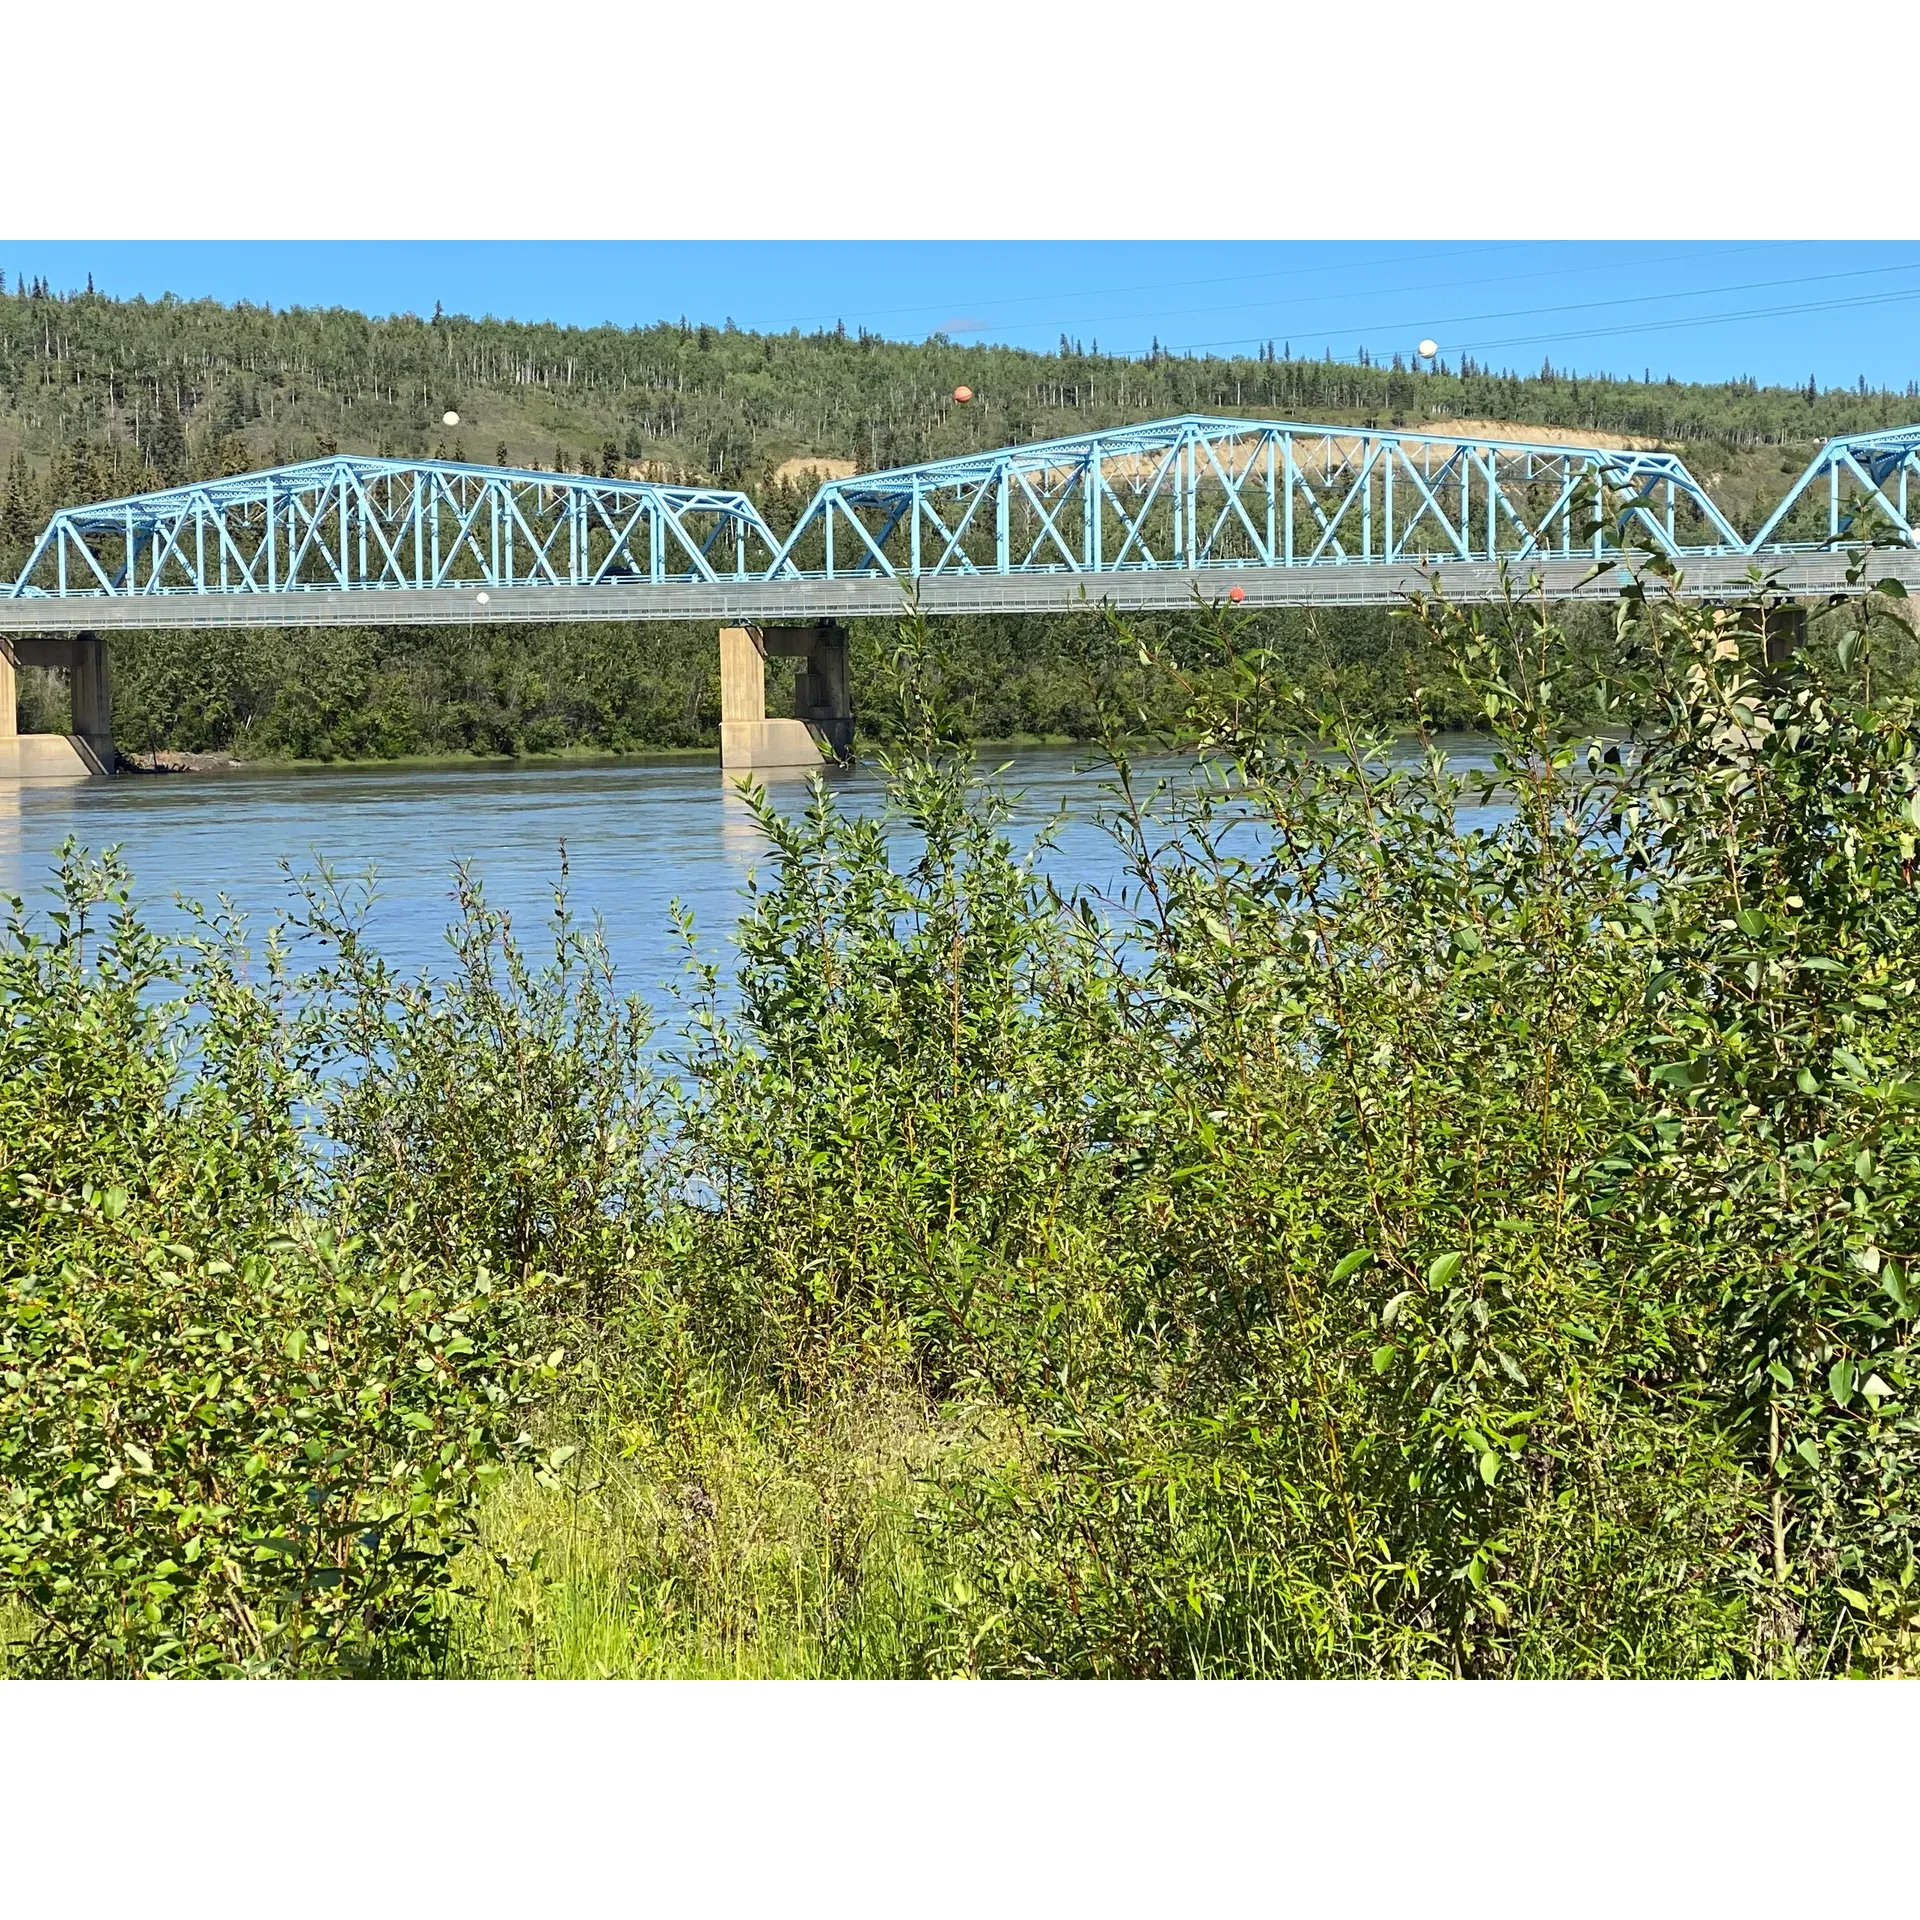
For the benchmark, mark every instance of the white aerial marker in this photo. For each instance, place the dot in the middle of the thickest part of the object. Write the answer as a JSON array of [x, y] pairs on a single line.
[[480, 599], [1428, 348], [449, 418]]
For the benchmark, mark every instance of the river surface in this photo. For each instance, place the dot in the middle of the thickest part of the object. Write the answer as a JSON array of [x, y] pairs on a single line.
[[638, 836]]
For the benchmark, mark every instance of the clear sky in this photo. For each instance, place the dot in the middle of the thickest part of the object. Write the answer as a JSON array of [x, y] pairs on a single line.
[[1781, 311]]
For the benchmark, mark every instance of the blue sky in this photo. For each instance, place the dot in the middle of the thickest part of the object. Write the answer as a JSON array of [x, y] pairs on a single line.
[[1779, 310]]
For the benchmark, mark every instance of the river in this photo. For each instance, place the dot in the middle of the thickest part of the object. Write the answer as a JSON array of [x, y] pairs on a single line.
[[638, 834]]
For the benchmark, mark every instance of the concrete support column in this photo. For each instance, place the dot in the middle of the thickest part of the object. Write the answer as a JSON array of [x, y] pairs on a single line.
[[743, 677], [823, 692], [92, 696], [57, 756], [822, 726]]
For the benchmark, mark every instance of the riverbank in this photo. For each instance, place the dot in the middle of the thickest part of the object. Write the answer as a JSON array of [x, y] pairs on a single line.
[[168, 760]]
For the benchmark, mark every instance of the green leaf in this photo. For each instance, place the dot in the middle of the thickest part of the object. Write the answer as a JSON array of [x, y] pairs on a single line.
[[1891, 588], [1351, 1263], [1383, 1357], [1445, 1270], [1490, 1466], [1840, 1382], [1685, 1074], [1780, 1376], [113, 1203]]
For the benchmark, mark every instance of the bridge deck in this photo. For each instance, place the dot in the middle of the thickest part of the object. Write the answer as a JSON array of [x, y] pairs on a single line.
[[724, 602]]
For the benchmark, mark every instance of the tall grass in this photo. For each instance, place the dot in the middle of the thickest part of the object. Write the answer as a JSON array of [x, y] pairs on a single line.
[[788, 1552]]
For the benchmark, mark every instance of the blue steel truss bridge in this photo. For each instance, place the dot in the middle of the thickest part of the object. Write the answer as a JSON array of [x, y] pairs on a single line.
[[1141, 516]]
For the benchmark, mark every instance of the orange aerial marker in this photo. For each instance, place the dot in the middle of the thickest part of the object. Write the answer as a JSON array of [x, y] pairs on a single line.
[[1236, 594], [963, 394]]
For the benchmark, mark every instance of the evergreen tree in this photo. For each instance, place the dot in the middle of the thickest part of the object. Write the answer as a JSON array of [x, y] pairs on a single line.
[[165, 439], [21, 516]]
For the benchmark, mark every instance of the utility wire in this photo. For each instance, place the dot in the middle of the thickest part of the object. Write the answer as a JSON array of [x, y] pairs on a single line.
[[1404, 329], [1449, 286]]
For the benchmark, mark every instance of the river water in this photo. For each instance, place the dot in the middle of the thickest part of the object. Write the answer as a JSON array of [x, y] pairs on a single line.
[[638, 835]]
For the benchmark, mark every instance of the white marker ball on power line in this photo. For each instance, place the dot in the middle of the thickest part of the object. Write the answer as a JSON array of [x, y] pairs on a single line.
[[480, 599], [449, 419], [1428, 348]]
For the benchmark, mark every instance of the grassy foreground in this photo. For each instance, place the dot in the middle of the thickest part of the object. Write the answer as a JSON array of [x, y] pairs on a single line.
[[1393, 1237]]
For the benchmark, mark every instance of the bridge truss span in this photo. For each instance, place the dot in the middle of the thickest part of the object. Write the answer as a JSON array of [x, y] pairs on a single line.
[[345, 522], [1288, 513], [1866, 495], [1200, 492]]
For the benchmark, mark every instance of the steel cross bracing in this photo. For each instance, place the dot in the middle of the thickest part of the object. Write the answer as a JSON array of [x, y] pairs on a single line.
[[1200, 492], [1865, 498], [344, 522], [1333, 515]]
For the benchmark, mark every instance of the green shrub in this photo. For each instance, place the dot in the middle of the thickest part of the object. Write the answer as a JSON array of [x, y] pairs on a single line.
[[1418, 1232], [232, 1439]]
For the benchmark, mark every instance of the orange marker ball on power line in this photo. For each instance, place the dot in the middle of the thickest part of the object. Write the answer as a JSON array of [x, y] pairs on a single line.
[[1236, 594], [963, 394]]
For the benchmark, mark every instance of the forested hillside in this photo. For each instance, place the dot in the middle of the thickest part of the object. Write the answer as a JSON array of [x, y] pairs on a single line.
[[101, 396]]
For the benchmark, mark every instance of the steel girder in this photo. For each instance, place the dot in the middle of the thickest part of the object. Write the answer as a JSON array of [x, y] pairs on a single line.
[[1867, 475], [1182, 495], [348, 522], [1201, 492]]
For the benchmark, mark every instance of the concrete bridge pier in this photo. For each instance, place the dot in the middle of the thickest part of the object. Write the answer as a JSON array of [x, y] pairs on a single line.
[[822, 726], [89, 747]]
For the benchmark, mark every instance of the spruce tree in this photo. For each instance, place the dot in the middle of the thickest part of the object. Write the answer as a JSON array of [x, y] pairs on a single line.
[[20, 517], [164, 441]]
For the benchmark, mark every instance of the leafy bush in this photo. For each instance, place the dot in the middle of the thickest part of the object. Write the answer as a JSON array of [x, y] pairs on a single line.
[[1420, 1231], [232, 1438]]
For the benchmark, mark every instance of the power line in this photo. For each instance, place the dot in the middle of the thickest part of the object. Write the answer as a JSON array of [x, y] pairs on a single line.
[[1704, 319], [1545, 273], [1404, 329]]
